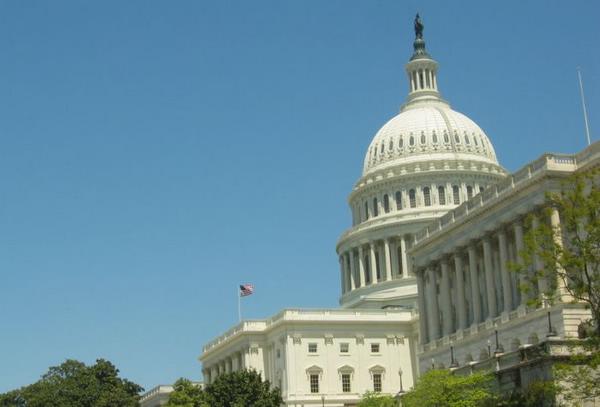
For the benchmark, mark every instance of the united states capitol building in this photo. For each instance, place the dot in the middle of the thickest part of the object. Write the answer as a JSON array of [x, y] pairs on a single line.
[[424, 273]]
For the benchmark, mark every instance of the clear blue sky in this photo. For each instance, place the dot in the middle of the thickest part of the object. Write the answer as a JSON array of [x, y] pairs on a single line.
[[155, 154]]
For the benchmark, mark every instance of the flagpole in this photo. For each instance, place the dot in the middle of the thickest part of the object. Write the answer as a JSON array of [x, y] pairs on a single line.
[[585, 118], [239, 304]]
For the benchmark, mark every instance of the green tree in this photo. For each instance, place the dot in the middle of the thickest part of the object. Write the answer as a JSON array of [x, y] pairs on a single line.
[[240, 389], [73, 384], [569, 255], [442, 388], [570, 252], [372, 399], [186, 394]]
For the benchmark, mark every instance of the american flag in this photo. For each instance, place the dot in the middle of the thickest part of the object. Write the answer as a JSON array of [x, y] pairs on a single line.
[[246, 289]]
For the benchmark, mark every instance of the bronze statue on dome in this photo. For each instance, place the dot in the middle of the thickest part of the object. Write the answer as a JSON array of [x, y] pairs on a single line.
[[419, 27]]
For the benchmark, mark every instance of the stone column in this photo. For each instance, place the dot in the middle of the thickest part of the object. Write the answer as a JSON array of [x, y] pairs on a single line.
[[489, 278], [422, 308], [519, 245], [347, 277], [373, 263], [504, 273], [563, 293], [388, 260], [433, 310], [352, 270], [361, 266], [447, 325], [403, 253], [461, 309], [475, 299], [342, 274], [537, 262], [394, 260]]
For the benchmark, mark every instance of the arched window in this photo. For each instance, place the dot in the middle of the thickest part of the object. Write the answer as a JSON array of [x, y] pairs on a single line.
[[366, 210], [398, 200], [455, 195], [434, 137], [391, 145], [469, 192], [386, 203], [481, 189], [467, 139], [401, 142], [442, 195], [475, 140], [412, 141], [446, 138], [412, 198], [427, 196], [382, 147], [375, 208], [456, 138], [423, 138]]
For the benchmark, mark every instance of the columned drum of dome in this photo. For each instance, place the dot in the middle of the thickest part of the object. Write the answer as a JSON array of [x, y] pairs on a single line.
[[422, 163]]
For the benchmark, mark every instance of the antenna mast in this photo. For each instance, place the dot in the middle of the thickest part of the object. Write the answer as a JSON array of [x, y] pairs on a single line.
[[585, 118]]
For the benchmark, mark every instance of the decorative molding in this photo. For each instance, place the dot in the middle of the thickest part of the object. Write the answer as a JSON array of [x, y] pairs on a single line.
[[328, 339], [297, 339], [360, 339]]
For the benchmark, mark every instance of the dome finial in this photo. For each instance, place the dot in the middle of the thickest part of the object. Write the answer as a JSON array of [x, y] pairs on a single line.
[[419, 44]]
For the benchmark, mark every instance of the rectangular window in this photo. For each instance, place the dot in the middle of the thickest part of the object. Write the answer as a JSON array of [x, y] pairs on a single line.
[[344, 347], [377, 382], [346, 383], [374, 348], [314, 383], [312, 348]]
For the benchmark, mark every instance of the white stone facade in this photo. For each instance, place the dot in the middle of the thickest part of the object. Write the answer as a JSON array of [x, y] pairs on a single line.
[[470, 305], [321, 356]]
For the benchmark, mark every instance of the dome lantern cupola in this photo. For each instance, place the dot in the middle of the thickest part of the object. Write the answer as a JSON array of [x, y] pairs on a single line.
[[421, 69]]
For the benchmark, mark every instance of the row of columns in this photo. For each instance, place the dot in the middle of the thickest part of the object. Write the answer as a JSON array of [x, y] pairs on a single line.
[[364, 210], [355, 273], [497, 293], [233, 363], [422, 79]]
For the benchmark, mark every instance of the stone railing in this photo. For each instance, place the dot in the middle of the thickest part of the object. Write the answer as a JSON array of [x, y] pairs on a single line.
[[547, 162], [312, 315]]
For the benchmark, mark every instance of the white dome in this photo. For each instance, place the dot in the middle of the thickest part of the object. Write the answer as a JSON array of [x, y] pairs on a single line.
[[425, 132]]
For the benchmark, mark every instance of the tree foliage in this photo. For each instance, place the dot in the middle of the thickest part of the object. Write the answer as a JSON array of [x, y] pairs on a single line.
[[372, 399], [442, 388], [568, 254], [73, 384], [237, 389], [186, 394]]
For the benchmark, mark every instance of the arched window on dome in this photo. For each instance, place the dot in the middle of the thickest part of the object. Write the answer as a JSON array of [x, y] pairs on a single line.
[[412, 198], [446, 138], [375, 208], [427, 196], [401, 142], [398, 200], [475, 140], [469, 192], [456, 138], [442, 195], [467, 138], [391, 145], [366, 210], [382, 147], [455, 195], [412, 140], [435, 139], [386, 203], [423, 138]]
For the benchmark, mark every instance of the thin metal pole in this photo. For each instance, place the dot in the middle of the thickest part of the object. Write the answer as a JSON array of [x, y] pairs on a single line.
[[237, 291], [585, 118]]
